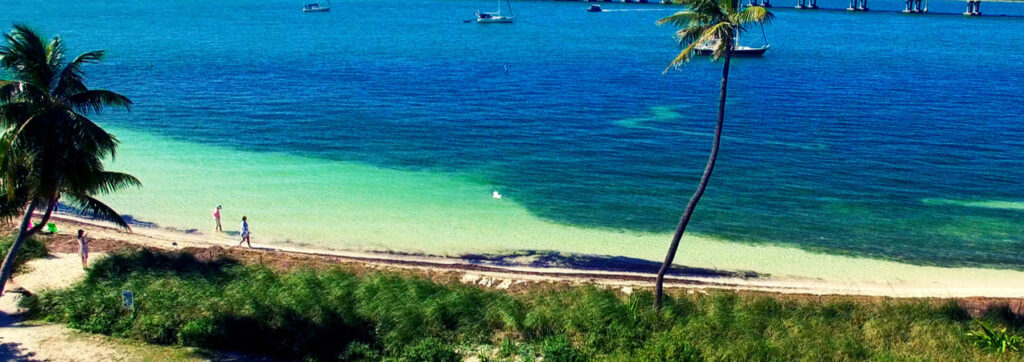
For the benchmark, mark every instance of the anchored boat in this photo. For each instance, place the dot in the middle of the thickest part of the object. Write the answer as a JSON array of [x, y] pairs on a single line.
[[708, 48], [316, 8], [496, 17], [737, 50]]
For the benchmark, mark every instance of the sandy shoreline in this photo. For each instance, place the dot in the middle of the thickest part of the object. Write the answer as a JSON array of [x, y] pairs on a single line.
[[503, 272]]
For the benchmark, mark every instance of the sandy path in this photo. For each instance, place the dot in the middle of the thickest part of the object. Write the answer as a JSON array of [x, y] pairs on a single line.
[[49, 342]]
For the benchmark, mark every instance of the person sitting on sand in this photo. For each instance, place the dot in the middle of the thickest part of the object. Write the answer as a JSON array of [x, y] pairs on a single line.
[[216, 217], [245, 233], [83, 247]]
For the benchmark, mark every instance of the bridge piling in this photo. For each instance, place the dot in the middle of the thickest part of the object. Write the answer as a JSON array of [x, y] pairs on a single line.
[[914, 6], [807, 4], [973, 8]]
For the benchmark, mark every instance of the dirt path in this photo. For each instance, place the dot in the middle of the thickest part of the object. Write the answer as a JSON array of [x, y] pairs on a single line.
[[49, 342]]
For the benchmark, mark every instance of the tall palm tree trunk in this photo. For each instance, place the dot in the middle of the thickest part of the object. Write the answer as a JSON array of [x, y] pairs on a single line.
[[46, 218], [23, 232], [692, 205]]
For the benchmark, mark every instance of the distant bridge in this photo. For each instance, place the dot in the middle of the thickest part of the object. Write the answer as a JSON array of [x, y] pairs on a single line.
[[913, 6]]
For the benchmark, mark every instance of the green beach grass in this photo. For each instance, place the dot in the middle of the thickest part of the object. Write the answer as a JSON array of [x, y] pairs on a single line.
[[31, 249], [332, 313]]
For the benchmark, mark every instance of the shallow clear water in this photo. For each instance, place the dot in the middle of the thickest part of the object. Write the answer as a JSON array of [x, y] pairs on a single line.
[[872, 134]]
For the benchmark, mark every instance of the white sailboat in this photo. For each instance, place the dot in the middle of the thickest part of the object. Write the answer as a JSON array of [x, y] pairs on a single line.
[[708, 48], [316, 7], [496, 17]]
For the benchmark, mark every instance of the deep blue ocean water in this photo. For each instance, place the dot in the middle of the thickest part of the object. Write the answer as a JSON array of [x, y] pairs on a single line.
[[879, 134]]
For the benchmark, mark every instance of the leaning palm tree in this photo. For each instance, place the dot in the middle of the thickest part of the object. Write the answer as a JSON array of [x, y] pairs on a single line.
[[715, 23], [50, 152]]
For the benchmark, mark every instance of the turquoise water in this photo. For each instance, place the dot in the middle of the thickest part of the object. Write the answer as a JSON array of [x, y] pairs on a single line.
[[386, 125]]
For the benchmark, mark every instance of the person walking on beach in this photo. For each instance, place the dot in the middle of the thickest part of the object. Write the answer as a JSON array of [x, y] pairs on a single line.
[[216, 217], [83, 247], [245, 233]]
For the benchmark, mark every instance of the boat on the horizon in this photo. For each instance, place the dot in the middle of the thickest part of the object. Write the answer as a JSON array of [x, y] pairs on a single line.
[[496, 17], [316, 7], [594, 8]]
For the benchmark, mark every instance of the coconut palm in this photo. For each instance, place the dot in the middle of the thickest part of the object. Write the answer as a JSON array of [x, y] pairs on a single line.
[[49, 150], [715, 22]]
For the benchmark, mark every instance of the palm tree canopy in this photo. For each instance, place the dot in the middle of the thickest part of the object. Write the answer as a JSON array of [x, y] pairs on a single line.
[[707, 21], [49, 148]]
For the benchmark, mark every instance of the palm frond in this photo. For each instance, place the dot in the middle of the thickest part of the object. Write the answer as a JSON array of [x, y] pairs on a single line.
[[54, 59], [89, 135], [708, 34], [96, 99], [13, 113], [96, 208], [753, 14], [725, 34], [679, 19], [108, 182], [690, 35], [709, 11], [11, 207], [26, 57], [728, 6], [680, 59], [72, 79]]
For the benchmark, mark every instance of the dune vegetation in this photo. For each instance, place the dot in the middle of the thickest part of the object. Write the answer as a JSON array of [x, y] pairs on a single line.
[[332, 313], [31, 249]]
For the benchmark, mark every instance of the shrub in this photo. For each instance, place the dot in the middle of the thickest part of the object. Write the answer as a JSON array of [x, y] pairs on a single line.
[[559, 349], [30, 249], [359, 351], [332, 314], [991, 339]]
